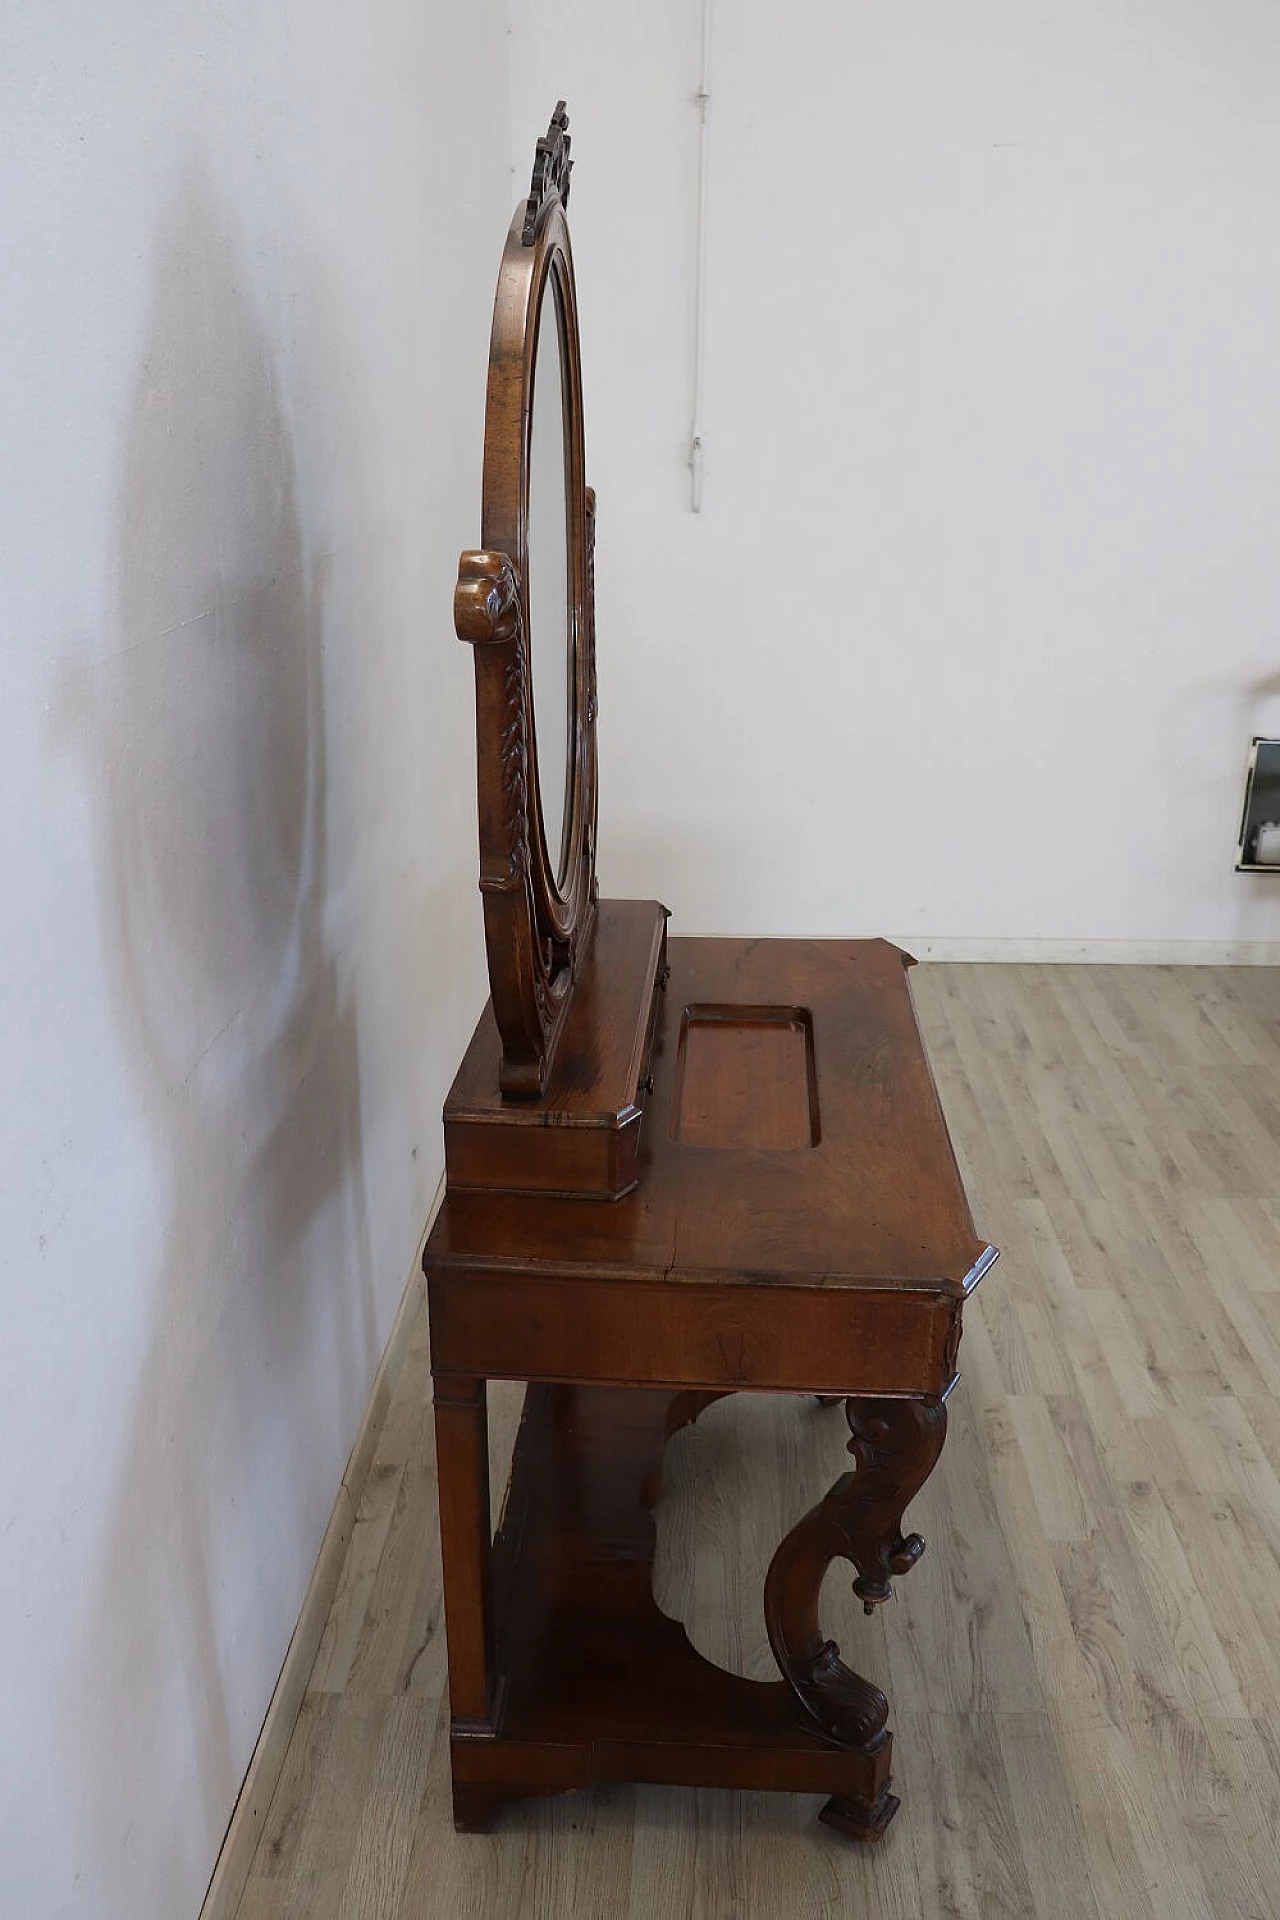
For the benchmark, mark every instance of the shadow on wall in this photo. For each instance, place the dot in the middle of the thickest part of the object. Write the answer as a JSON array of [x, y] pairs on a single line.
[[205, 740]]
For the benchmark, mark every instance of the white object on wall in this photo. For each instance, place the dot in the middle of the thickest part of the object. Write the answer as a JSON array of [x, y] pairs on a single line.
[[1267, 850], [702, 100]]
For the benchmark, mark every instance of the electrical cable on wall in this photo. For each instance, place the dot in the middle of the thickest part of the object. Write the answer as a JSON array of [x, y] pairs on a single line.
[[702, 100]]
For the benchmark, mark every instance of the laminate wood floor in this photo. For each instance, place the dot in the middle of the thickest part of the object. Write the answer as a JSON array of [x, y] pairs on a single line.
[[1084, 1670]]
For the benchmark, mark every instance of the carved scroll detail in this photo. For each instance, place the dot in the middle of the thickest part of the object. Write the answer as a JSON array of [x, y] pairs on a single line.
[[486, 600], [951, 1351], [896, 1444], [551, 169], [486, 612]]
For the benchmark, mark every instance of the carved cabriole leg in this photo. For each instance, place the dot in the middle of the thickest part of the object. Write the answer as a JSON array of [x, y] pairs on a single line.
[[896, 1444]]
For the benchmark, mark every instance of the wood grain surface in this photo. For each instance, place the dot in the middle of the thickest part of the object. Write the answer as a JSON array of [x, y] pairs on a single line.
[[1085, 1669], [877, 1197]]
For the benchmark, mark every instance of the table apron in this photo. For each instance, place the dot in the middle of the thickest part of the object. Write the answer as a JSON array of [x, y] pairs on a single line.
[[839, 1340]]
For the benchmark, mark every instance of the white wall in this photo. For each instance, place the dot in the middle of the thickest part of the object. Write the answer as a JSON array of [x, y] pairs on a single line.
[[249, 255], [983, 606], [967, 642]]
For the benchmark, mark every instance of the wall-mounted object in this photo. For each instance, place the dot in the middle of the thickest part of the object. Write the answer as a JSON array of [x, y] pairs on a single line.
[[1259, 847], [702, 100]]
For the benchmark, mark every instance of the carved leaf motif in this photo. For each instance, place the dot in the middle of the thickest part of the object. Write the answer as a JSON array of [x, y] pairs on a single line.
[[486, 600], [551, 169], [540, 993], [515, 770], [592, 700], [951, 1351]]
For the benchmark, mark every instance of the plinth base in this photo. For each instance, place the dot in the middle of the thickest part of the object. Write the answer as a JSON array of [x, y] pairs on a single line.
[[593, 1682]]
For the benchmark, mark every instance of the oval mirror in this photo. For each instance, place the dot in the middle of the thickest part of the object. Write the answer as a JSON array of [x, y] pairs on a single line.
[[525, 603], [547, 566]]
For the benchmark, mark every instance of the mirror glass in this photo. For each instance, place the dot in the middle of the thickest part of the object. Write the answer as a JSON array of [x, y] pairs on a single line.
[[550, 650]]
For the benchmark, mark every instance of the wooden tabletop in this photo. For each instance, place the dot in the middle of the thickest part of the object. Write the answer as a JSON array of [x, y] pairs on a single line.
[[793, 1136]]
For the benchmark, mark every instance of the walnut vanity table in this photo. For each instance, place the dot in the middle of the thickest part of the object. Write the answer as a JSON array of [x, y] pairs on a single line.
[[676, 1168]]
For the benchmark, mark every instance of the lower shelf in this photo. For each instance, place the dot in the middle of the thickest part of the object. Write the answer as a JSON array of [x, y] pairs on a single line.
[[594, 1682]]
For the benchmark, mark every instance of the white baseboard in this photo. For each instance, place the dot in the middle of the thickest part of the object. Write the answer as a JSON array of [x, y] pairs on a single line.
[[240, 1842], [1097, 953]]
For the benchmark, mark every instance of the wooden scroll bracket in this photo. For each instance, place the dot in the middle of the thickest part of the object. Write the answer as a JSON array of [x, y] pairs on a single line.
[[896, 1444]]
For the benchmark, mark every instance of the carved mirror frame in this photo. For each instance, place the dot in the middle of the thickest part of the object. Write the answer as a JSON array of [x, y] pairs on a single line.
[[538, 914]]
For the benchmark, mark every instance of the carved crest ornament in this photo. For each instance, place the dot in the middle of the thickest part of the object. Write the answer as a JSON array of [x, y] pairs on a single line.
[[551, 169]]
